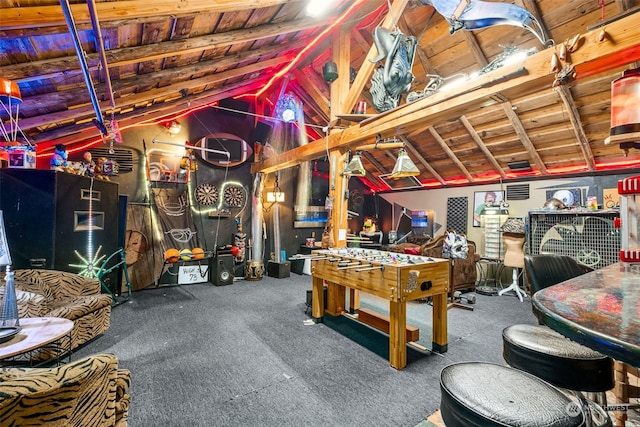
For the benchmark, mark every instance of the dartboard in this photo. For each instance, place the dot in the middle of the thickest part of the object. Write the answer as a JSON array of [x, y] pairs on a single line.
[[234, 196], [206, 194]]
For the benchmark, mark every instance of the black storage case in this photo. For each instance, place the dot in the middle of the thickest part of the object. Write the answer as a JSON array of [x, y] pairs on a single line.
[[279, 269]]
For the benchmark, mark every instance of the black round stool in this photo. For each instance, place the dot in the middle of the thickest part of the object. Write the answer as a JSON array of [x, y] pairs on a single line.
[[545, 353], [485, 394], [548, 355]]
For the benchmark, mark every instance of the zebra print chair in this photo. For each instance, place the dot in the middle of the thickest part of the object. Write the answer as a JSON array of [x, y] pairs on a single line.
[[51, 293], [89, 392]]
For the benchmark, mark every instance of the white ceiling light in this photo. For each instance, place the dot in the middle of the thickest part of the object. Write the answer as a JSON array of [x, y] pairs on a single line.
[[319, 7]]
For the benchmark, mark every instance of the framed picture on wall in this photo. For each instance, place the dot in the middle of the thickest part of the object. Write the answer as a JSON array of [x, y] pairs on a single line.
[[483, 200]]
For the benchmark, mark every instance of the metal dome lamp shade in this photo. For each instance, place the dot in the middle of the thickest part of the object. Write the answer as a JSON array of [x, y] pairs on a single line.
[[404, 166], [355, 166], [330, 71]]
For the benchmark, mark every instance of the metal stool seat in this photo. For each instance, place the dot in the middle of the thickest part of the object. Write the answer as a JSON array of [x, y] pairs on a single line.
[[556, 359], [485, 394]]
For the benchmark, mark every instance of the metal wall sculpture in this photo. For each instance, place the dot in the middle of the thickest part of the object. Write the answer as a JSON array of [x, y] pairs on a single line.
[[476, 14], [390, 81]]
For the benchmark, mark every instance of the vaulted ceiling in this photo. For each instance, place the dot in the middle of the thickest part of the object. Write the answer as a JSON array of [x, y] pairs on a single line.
[[150, 61]]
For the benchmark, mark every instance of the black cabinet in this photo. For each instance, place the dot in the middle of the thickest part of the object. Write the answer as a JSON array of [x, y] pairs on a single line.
[[57, 220]]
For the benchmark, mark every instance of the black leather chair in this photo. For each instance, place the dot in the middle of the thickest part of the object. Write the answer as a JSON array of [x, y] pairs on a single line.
[[544, 270], [549, 355]]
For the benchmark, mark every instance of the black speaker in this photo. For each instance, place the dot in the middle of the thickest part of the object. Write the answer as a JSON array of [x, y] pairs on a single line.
[[261, 132], [222, 270]]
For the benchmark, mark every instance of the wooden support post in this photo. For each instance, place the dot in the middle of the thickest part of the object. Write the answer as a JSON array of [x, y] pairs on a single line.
[[397, 334], [317, 298], [439, 339]]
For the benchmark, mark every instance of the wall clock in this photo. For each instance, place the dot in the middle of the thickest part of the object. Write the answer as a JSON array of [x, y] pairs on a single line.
[[234, 196], [206, 194]]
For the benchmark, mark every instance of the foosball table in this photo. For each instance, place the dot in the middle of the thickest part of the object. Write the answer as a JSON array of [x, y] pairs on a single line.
[[395, 277]]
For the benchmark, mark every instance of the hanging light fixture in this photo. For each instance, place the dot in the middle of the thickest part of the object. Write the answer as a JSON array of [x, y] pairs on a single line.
[[625, 117], [330, 71], [355, 167], [287, 107], [277, 195], [404, 166]]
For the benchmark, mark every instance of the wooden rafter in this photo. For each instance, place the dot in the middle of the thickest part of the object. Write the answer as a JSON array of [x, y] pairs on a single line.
[[434, 133], [574, 116], [374, 162], [310, 86], [149, 96], [524, 137], [483, 147], [85, 131], [475, 48], [594, 57], [125, 56], [415, 153], [45, 16], [532, 7]]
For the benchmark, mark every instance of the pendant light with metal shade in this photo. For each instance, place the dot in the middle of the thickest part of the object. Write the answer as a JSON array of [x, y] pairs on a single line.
[[355, 166], [404, 166]]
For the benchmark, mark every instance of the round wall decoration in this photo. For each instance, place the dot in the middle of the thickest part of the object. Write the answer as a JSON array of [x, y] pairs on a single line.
[[206, 194], [234, 196]]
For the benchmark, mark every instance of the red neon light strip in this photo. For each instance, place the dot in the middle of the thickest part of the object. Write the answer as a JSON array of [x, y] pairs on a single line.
[[315, 41]]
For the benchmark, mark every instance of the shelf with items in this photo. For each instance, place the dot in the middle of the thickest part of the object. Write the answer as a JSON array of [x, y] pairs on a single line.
[[493, 247]]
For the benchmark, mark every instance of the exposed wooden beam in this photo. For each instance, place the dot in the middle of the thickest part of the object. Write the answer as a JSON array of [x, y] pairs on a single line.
[[374, 162], [574, 116], [434, 133], [524, 137], [86, 131], [483, 147], [309, 104], [475, 48], [592, 58], [532, 6], [319, 101], [45, 16], [79, 95], [339, 88], [65, 66], [424, 60], [360, 41], [149, 96]]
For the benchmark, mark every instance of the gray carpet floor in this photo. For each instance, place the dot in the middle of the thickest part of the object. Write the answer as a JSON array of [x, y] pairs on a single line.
[[243, 355]]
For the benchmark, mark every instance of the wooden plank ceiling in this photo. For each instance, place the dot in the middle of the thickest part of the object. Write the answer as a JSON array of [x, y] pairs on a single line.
[[166, 57]]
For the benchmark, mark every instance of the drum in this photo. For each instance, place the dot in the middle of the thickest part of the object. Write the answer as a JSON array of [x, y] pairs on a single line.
[[254, 270]]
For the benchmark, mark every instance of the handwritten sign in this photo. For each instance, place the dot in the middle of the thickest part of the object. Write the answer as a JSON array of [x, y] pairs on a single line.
[[188, 274]]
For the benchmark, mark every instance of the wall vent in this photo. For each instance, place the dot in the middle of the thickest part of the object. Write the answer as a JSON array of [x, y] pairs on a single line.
[[518, 192]]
